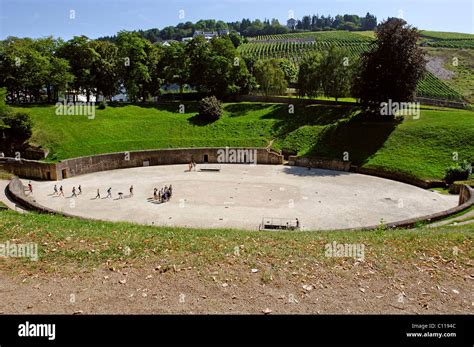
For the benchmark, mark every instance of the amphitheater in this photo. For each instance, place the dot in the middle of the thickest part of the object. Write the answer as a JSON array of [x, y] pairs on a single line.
[[228, 195]]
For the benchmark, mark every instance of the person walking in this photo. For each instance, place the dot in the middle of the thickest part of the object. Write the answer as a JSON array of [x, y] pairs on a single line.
[[61, 191], [80, 189], [55, 190], [109, 193], [98, 194], [74, 192], [131, 190], [30, 187]]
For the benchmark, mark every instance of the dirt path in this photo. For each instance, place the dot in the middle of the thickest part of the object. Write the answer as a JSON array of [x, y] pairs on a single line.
[[352, 288]]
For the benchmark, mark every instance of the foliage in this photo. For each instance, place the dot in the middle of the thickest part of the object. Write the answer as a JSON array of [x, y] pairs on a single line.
[[270, 77], [216, 67], [458, 172], [210, 109], [336, 71], [17, 128], [309, 76], [289, 69], [392, 67]]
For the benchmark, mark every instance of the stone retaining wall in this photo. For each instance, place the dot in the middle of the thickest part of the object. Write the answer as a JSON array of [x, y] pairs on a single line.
[[320, 163], [287, 100], [400, 177], [16, 192], [466, 200], [112, 161], [29, 168]]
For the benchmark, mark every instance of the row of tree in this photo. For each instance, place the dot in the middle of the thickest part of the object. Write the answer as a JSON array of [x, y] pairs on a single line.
[[390, 70], [249, 28], [42, 69], [36, 69], [350, 22]]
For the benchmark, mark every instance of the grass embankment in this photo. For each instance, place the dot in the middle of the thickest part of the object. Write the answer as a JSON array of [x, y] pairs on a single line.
[[421, 147], [87, 244]]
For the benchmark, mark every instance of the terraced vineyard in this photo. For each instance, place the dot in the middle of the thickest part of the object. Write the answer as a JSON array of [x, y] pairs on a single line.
[[316, 36], [295, 46], [295, 51], [434, 88], [447, 40], [440, 35], [451, 43]]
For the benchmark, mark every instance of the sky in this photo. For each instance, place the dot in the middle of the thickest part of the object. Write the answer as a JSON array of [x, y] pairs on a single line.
[[96, 18]]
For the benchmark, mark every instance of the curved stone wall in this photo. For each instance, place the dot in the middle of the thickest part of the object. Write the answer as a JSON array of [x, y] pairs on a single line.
[[122, 160], [16, 191]]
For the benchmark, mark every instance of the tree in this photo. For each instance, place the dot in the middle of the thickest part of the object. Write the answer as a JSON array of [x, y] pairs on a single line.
[[23, 69], [135, 68], [369, 22], [174, 64], [81, 56], [335, 70], [15, 127], [216, 67], [309, 76], [104, 69], [198, 51], [270, 77], [392, 68], [236, 39], [18, 127], [289, 69]]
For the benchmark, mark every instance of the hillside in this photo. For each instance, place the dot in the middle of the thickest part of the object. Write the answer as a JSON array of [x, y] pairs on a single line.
[[294, 46]]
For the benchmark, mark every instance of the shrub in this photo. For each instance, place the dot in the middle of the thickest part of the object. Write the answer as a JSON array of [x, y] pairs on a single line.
[[17, 127], [458, 172], [102, 105], [210, 109]]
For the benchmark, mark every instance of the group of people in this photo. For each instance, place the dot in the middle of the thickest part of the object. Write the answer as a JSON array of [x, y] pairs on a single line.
[[164, 194], [109, 193], [60, 191]]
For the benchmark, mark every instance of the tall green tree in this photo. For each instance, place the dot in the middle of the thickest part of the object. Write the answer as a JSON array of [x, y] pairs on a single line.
[[392, 68], [81, 55], [105, 68], [23, 69], [270, 77], [135, 68], [309, 81], [174, 64], [216, 67], [336, 71]]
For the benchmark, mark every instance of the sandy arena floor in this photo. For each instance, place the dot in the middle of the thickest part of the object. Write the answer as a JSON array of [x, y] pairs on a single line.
[[239, 196]]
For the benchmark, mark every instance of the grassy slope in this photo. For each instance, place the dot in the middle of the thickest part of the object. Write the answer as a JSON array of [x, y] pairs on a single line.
[[420, 147], [64, 241]]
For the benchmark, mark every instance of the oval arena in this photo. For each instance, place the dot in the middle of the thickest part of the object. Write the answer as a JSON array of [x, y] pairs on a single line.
[[241, 196]]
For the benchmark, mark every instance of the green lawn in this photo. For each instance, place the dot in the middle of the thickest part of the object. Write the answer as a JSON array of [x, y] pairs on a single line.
[[422, 147], [64, 241]]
